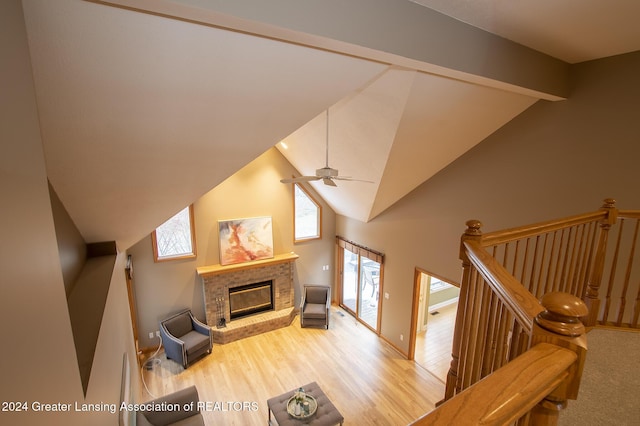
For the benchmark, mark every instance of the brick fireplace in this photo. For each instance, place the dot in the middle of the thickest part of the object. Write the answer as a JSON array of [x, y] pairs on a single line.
[[218, 279]]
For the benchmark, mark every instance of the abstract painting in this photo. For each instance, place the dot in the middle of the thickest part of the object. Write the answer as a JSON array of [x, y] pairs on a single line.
[[244, 240]]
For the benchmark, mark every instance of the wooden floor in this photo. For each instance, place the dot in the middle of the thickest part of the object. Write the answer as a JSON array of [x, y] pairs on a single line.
[[365, 378], [433, 346]]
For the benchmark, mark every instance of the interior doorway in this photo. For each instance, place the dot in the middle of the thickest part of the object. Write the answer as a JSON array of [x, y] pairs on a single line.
[[435, 303]]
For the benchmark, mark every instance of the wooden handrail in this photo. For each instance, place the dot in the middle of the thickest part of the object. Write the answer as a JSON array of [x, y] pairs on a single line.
[[513, 234], [629, 214], [522, 304], [509, 393], [607, 212]]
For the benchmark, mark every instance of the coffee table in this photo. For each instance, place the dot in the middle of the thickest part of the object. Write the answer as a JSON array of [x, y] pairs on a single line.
[[326, 414]]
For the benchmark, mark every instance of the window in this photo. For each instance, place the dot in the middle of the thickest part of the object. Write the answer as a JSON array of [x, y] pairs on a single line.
[[437, 285], [307, 215], [175, 239]]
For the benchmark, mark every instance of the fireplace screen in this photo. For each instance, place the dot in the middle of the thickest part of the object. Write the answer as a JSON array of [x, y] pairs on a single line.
[[250, 299]]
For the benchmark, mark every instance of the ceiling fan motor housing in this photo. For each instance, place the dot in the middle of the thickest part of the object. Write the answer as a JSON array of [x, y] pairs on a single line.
[[326, 172]]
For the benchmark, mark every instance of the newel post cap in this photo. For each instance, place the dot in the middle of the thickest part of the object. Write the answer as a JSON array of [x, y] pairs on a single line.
[[562, 314], [608, 203], [473, 227]]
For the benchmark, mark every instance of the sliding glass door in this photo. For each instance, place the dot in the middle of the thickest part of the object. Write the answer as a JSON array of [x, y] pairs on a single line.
[[350, 281], [360, 282], [369, 288]]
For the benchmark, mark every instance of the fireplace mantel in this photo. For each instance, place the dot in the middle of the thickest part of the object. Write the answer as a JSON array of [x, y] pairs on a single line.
[[211, 270]]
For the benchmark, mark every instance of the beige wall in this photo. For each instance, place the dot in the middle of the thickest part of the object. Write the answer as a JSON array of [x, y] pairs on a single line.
[[38, 352], [554, 160], [165, 287], [71, 246], [33, 311]]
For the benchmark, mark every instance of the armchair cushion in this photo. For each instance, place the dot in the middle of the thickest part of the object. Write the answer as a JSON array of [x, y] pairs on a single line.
[[178, 325], [314, 310], [194, 341], [316, 295]]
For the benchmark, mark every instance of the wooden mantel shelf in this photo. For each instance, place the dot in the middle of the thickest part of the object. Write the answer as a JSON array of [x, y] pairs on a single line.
[[210, 270]]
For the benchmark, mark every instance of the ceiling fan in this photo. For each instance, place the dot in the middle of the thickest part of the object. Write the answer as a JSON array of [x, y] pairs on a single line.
[[326, 174]]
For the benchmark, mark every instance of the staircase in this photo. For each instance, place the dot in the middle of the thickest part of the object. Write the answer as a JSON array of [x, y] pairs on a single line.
[[526, 296]]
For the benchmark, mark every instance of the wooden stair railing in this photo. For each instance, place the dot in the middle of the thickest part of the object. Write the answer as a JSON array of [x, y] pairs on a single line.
[[620, 303], [533, 387], [538, 284], [497, 319], [593, 256], [494, 318]]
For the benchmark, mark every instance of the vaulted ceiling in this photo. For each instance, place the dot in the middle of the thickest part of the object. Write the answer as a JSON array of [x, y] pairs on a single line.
[[146, 105]]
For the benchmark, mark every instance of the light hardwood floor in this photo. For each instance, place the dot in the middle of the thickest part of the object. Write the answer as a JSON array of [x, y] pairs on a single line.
[[366, 379], [433, 346]]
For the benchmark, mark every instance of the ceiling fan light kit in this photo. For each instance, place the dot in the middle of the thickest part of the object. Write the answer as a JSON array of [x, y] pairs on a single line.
[[327, 174]]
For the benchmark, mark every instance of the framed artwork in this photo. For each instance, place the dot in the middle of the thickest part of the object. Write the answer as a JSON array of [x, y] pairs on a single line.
[[244, 240]]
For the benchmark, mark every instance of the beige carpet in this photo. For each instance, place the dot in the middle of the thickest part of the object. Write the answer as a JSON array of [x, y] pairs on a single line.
[[610, 388]]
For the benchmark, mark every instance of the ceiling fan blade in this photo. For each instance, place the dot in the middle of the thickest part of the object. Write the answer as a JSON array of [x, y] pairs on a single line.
[[329, 181], [352, 179], [300, 179]]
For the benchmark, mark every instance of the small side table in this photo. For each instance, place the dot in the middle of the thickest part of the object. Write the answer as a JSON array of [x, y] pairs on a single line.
[[326, 414]]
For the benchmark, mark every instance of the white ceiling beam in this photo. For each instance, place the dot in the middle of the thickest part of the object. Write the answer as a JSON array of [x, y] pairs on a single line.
[[397, 32]]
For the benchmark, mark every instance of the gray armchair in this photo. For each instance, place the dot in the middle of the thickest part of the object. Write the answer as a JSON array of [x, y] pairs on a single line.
[[315, 306], [185, 398], [184, 338]]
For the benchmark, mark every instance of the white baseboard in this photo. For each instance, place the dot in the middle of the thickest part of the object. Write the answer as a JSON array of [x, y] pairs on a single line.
[[443, 304]]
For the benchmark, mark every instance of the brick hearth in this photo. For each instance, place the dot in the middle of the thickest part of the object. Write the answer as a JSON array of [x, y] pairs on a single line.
[[218, 279]]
